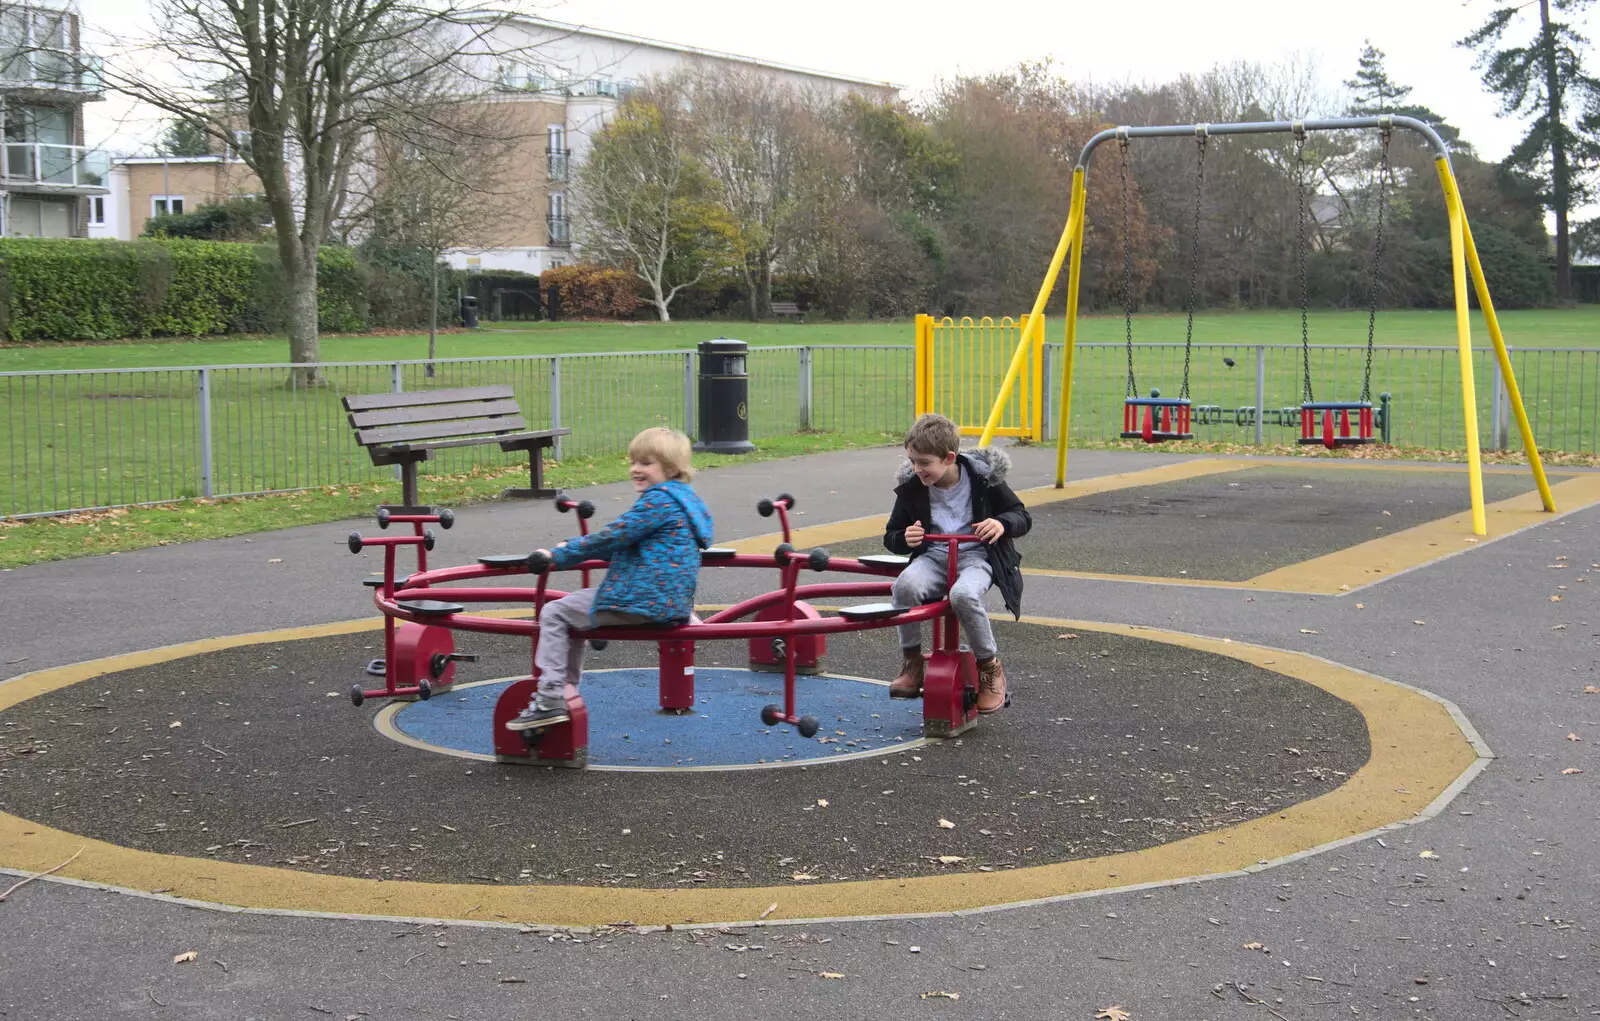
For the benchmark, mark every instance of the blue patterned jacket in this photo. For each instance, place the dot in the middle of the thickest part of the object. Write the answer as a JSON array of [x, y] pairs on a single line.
[[654, 549]]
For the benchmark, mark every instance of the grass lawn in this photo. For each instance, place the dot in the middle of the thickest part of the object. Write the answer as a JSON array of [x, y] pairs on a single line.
[[1565, 328], [131, 528], [97, 439]]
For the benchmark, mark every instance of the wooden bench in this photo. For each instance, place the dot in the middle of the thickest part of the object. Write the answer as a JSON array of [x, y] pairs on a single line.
[[406, 428], [788, 308]]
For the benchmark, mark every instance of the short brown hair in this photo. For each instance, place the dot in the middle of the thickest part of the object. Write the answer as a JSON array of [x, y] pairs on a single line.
[[667, 447], [934, 435]]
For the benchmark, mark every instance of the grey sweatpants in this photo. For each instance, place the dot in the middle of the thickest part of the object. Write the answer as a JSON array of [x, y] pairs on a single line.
[[924, 581], [560, 659]]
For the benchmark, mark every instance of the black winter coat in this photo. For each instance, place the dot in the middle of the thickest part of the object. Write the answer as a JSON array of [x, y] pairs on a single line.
[[986, 467]]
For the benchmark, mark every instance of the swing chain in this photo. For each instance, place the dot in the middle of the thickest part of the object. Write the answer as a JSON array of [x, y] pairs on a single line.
[[1300, 246], [1127, 271], [1377, 257], [1201, 138]]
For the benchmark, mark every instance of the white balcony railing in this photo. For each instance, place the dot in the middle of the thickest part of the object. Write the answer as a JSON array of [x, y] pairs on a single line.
[[54, 166], [52, 70]]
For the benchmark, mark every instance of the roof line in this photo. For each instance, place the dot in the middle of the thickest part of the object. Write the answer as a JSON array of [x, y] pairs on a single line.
[[699, 51]]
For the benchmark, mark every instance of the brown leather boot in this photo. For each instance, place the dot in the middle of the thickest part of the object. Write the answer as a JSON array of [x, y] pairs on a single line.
[[909, 683], [992, 695]]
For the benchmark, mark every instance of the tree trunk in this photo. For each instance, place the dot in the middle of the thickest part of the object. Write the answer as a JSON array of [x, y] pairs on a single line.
[[300, 279], [764, 286], [1560, 172], [752, 288], [433, 320]]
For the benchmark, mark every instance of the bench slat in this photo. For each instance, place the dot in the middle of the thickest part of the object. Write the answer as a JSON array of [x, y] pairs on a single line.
[[433, 413], [420, 398], [440, 430], [405, 453]]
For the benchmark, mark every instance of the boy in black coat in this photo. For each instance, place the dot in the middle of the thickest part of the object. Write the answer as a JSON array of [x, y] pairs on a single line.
[[943, 491]]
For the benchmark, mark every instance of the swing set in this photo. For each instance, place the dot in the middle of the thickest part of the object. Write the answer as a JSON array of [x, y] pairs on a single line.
[[1331, 423]]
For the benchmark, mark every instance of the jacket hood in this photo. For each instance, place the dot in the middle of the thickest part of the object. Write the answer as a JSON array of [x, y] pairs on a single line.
[[991, 463], [699, 516]]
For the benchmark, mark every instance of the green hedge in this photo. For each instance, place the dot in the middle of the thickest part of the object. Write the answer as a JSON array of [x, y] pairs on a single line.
[[76, 289]]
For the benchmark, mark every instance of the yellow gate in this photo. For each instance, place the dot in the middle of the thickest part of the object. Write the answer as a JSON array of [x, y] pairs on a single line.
[[961, 364]]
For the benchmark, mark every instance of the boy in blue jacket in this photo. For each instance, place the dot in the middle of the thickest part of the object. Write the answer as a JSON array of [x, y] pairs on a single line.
[[654, 549]]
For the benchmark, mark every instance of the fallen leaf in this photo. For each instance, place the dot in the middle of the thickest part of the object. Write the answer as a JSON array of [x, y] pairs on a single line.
[[275, 560], [770, 909], [802, 876], [1590, 689], [830, 974], [1361, 606], [1308, 631], [1067, 637], [1117, 1013], [185, 958], [1252, 946], [822, 802], [1570, 771], [1573, 737], [946, 824], [1428, 854], [950, 859], [1555, 599], [1344, 588], [1419, 623], [940, 994], [174, 723]]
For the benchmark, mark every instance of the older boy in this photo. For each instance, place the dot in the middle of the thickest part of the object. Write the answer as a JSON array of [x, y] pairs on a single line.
[[942, 491]]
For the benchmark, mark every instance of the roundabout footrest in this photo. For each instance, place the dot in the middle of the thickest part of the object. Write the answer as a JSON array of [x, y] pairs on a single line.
[[869, 611], [885, 560], [430, 607], [505, 560]]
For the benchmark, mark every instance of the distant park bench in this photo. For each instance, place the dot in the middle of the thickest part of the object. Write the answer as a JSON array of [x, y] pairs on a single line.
[[788, 308], [406, 428]]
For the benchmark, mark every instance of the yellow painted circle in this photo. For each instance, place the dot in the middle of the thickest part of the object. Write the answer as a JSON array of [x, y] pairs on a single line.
[[1421, 755]]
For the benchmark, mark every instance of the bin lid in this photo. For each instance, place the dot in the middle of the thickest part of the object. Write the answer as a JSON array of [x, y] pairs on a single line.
[[723, 346]]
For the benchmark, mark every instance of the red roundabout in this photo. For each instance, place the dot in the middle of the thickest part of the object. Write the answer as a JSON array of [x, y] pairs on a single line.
[[786, 632]]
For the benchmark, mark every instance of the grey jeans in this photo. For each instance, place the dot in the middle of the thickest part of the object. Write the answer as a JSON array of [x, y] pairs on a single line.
[[560, 659], [924, 581]]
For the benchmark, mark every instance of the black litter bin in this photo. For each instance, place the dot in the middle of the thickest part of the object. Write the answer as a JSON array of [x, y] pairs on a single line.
[[724, 398], [469, 311]]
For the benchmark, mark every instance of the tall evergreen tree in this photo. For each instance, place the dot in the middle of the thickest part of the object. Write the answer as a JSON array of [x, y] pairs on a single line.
[[1544, 78]]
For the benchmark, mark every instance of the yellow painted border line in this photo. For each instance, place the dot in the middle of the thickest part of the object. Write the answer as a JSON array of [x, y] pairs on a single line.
[[1333, 574], [874, 524], [1422, 754]]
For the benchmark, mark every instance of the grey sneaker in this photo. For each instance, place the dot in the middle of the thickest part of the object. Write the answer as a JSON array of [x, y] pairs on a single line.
[[533, 718]]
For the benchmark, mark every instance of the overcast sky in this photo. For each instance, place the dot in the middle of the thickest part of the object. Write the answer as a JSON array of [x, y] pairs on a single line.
[[915, 44]]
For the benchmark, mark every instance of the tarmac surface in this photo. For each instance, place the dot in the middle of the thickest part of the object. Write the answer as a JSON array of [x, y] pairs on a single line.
[[1485, 910]]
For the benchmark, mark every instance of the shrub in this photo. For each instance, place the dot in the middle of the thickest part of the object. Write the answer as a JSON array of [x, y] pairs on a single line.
[[76, 289], [596, 292]]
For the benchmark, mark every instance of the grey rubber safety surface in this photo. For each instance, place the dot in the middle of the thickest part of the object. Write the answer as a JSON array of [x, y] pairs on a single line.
[[256, 755], [1234, 526]]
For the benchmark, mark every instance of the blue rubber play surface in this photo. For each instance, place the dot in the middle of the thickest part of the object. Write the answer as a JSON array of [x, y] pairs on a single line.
[[626, 729]]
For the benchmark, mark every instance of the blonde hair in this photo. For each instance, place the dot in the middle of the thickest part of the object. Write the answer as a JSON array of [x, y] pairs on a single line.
[[933, 435], [666, 447]]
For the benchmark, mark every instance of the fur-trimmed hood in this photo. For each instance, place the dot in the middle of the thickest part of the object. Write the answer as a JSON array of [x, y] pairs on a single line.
[[990, 462]]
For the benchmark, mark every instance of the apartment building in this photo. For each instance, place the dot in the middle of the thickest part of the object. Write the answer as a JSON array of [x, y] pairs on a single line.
[[553, 105], [51, 184], [561, 98], [146, 186]]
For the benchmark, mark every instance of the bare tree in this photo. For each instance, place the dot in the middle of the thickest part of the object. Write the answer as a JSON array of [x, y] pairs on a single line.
[[296, 87], [645, 202], [753, 153], [442, 179]]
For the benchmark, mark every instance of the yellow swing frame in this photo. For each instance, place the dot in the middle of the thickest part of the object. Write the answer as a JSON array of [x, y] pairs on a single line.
[[1463, 260]]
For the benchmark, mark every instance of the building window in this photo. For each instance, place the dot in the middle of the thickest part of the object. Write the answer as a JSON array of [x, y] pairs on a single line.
[[97, 210], [560, 228], [162, 204], [558, 158]]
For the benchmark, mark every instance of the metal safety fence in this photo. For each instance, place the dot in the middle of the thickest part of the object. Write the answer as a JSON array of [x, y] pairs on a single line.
[[84, 439]]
